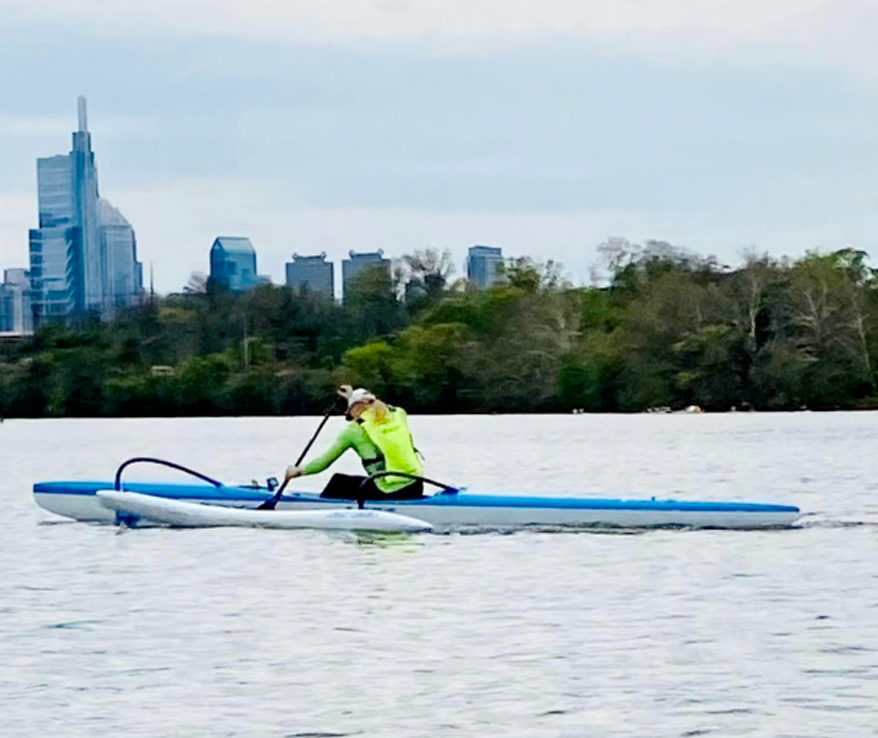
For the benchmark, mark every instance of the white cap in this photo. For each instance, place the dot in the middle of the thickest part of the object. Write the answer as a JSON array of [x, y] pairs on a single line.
[[360, 395]]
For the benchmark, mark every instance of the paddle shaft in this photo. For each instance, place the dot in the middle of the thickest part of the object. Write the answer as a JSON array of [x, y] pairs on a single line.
[[272, 503]]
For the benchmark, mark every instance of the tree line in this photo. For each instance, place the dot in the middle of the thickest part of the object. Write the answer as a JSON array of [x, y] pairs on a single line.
[[662, 328]]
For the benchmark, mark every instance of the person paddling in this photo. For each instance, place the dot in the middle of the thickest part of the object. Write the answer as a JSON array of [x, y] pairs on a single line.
[[380, 435]]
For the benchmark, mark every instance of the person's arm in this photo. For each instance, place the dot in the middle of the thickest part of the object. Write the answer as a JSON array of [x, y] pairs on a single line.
[[341, 444]]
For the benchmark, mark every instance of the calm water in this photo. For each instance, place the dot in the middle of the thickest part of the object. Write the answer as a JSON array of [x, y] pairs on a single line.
[[267, 633]]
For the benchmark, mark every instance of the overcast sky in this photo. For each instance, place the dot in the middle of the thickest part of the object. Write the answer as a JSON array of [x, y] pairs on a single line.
[[542, 127]]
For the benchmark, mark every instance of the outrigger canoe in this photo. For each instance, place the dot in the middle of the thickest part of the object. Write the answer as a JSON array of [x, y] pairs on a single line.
[[448, 509]]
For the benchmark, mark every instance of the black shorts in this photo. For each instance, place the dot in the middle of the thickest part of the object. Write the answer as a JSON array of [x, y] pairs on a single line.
[[348, 487]]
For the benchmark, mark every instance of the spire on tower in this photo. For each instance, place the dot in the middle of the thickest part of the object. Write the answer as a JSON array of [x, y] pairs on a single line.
[[83, 114]]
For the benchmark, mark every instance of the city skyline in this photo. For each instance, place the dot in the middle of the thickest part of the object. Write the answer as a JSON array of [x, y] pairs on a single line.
[[83, 252], [544, 137], [233, 265]]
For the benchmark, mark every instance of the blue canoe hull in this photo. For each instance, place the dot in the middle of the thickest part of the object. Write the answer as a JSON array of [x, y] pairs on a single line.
[[77, 500]]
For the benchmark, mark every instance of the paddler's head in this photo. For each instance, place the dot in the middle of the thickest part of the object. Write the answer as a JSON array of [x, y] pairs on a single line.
[[359, 400]]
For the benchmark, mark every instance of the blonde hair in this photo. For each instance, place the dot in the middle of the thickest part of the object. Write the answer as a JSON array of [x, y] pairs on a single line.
[[380, 410]]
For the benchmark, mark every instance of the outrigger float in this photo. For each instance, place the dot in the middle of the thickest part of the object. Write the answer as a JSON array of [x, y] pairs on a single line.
[[212, 503]]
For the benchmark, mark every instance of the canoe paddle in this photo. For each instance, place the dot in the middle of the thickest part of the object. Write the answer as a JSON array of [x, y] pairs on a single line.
[[272, 503]]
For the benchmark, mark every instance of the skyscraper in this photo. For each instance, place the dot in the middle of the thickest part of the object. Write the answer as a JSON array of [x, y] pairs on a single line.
[[54, 246], [85, 205], [73, 270], [15, 310], [359, 263], [313, 271], [483, 265], [233, 264], [122, 276]]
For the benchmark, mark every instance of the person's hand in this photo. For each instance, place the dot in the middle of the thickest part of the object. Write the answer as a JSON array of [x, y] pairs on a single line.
[[345, 391], [293, 472]]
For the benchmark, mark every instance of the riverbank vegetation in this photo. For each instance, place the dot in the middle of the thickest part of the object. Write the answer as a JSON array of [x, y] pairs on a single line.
[[664, 328]]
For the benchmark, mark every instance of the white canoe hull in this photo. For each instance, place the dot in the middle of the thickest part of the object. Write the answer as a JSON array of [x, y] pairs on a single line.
[[515, 517], [180, 514]]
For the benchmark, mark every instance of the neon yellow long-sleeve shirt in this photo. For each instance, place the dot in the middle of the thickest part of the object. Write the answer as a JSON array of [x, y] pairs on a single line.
[[355, 437]]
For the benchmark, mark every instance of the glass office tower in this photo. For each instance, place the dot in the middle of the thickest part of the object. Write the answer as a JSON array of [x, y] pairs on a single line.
[[483, 265], [313, 271], [73, 270], [233, 264]]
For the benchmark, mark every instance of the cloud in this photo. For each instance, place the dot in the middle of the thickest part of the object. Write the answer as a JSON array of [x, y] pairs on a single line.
[[176, 223], [238, 117], [37, 125], [116, 126], [177, 220], [195, 211], [814, 23]]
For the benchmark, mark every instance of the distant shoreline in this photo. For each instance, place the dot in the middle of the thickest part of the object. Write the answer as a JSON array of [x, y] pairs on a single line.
[[442, 415], [671, 331]]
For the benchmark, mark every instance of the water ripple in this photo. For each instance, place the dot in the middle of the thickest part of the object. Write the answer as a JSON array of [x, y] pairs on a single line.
[[537, 633]]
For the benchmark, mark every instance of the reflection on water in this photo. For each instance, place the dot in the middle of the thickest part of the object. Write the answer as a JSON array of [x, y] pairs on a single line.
[[384, 540]]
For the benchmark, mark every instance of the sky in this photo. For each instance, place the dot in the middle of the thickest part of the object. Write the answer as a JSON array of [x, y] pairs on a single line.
[[544, 127]]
